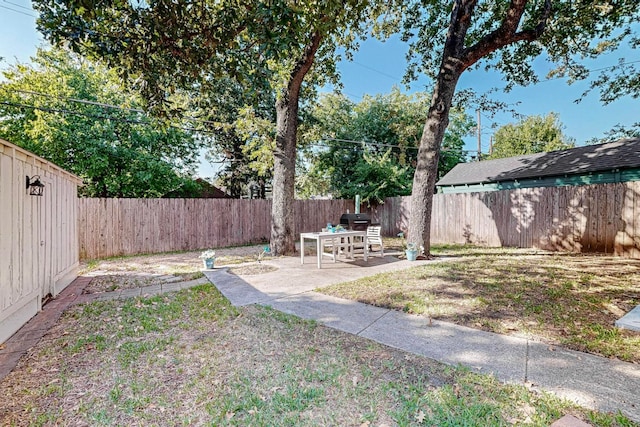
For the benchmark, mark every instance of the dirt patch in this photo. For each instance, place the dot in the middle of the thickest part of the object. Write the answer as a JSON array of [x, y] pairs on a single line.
[[169, 263], [252, 269], [121, 273]]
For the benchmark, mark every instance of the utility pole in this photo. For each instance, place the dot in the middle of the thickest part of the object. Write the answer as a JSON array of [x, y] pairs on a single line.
[[479, 137]]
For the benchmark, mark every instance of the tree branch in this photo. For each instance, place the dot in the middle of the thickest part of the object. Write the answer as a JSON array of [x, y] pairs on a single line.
[[303, 65], [507, 33], [460, 22]]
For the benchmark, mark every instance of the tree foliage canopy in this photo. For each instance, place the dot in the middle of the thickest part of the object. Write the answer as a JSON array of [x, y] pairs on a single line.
[[169, 46], [59, 109], [505, 36], [350, 144], [534, 134], [235, 131]]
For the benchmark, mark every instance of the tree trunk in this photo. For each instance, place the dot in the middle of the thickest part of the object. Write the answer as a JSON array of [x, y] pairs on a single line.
[[284, 170], [455, 59], [426, 172], [284, 164]]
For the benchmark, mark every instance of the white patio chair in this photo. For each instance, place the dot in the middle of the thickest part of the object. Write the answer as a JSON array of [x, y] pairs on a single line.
[[337, 246], [374, 239]]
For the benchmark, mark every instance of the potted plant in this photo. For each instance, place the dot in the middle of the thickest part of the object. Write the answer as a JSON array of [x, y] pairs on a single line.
[[410, 249], [208, 258], [265, 251]]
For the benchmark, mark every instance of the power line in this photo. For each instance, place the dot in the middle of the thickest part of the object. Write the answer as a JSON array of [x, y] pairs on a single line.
[[18, 11], [382, 73], [490, 119], [352, 95], [217, 123], [378, 144], [595, 70], [80, 101], [75, 113], [100, 117], [18, 5], [323, 145], [104, 105]]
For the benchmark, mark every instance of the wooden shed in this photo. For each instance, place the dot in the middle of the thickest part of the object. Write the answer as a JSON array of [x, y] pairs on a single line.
[[38, 234]]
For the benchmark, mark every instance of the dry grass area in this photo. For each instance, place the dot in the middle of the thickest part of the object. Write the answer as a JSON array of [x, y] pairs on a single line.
[[119, 273], [189, 358], [571, 300]]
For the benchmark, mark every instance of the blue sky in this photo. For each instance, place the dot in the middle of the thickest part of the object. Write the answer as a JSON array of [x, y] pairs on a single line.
[[378, 66]]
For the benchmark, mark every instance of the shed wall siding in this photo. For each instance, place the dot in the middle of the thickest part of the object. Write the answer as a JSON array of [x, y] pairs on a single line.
[[38, 235]]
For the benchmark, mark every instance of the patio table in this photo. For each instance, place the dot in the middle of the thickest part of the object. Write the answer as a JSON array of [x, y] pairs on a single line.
[[321, 237]]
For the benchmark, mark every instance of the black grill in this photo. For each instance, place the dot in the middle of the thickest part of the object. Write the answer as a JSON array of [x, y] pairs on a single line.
[[356, 222]]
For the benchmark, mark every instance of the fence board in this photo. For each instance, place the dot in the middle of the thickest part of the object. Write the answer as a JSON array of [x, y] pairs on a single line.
[[37, 235], [634, 233]]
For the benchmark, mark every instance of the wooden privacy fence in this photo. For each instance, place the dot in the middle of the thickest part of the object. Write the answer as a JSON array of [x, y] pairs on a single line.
[[588, 218], [110, 227]]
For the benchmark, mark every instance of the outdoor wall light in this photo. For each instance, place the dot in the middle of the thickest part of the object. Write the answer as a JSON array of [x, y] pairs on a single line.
[[34, 185]]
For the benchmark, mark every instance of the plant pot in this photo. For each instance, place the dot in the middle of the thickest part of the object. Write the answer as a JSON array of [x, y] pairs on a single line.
[[411, 254], [208, 263]]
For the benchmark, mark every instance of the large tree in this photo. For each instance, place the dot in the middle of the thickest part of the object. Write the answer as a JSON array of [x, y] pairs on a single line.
[[77, 114], [178, 44], [449, 38], [380, 133], [533, 134]]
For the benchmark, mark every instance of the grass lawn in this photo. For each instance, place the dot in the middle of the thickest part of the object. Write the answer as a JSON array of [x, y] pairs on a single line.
[[189, 358], [571, 300]]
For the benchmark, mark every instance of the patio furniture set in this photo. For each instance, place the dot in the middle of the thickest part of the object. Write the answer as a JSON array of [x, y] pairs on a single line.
[[333, 243]]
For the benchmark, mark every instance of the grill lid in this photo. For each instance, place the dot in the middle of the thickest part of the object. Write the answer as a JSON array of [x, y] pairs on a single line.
[[355, 221]]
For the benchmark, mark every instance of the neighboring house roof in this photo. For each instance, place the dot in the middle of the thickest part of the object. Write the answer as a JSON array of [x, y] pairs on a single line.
[[622, 154], [210, 191]]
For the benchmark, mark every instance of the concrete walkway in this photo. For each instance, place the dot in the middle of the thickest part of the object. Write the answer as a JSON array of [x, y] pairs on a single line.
[[592, 381]]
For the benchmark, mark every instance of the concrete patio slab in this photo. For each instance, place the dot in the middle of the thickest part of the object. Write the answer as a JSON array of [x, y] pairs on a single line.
[[307, 277], [292, 278], [234, 288]]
